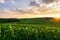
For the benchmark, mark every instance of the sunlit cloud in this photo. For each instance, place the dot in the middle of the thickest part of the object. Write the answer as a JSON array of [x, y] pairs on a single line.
[[50, 8], [20, 13], [2, 1]]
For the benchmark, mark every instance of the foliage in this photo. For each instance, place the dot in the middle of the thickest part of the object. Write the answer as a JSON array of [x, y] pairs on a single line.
[[17, 31], [29, 29]]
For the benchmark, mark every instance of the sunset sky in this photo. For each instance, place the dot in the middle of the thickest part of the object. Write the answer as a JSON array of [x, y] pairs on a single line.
[[29, 8]]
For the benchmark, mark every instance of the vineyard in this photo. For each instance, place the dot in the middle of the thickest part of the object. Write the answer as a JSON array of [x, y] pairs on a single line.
[[44, 30]]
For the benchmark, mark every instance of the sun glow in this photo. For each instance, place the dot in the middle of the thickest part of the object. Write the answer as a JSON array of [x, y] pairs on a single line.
[[56, 19]]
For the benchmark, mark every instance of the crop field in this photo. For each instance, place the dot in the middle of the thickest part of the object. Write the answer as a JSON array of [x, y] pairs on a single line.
[[42, 30]]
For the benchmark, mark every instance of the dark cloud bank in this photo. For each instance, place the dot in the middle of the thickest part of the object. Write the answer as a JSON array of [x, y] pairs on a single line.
[[49, 1]]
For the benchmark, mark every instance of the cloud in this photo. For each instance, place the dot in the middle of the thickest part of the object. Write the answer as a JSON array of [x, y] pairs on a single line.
[[49, 1], [12, 1], [46, 10], [46, 4], [6, 13], [16, 13], [30, 13], [7, 1], [51, 4], [2, 1]]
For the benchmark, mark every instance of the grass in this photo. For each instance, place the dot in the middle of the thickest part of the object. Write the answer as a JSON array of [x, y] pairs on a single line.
[[30, 30]]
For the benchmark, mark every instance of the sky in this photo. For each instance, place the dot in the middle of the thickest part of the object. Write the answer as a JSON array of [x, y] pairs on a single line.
[[29, 8]]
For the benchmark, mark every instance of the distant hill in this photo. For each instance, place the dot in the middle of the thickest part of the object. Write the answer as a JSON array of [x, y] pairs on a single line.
[[26, 20]]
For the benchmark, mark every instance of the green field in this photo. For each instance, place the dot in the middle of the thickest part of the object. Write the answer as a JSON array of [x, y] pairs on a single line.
[[30, 29]]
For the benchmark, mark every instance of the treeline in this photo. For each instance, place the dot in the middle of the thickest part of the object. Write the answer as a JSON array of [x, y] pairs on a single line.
[[3, 20], [28, 20]]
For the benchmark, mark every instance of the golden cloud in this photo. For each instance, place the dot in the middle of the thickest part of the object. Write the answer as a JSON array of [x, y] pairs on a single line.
[[30, 13]]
